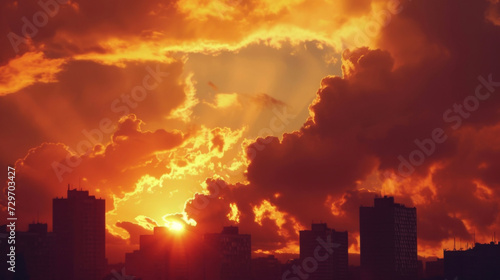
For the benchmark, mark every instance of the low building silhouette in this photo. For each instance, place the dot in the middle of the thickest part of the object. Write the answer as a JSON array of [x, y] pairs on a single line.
[[35, 256], [167, 255], [434, 270], [227, 255], [334, 265], [288, 266], [188, 255], [266, 268], [480, 262], [37, 247], [354, 273]]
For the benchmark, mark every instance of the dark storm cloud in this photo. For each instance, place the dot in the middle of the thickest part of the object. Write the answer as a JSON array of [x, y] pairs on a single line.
[[421, 85]]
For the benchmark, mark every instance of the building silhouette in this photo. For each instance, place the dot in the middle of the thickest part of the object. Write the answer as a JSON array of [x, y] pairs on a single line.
[[481, 262], [37, 247], [35, 257], [75, 250], [420, 269], [191, 256], [79, 227], [227, 255], [388, 237], [434, 270], [335, 266], [266, 268], [167, 255]]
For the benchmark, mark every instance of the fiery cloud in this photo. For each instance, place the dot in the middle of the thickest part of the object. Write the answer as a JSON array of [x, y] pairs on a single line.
[[385, 103], [28, 69], [411, 111]]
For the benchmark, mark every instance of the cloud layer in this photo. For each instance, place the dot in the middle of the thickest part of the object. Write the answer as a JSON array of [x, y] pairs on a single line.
[[99, 95]]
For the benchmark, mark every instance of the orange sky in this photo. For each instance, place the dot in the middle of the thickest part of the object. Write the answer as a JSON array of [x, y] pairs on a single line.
[[268, 114]]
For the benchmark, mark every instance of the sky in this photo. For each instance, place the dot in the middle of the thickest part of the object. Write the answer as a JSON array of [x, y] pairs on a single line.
[[267, 115]]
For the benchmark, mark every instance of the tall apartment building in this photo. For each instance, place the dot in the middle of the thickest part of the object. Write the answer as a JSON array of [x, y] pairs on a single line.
[[388, 233], [79, 228], [331, 266]]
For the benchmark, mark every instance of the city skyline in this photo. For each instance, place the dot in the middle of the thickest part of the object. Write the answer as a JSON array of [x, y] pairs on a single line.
[[265, 115], [388, 250]]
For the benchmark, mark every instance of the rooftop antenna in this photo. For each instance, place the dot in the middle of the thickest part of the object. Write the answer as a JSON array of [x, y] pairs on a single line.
[[68, 186], [454, 247]]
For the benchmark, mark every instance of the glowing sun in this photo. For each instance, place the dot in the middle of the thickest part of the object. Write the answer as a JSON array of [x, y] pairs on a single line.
[[175, 226]]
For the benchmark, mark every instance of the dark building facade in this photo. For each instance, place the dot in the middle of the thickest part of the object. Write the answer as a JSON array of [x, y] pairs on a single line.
[[481, 262], [335, 266], [79, 227], [434, 270], [35, 256], [388, 235], [37, 247], [167, 255], [266, 268], [227, 255]]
